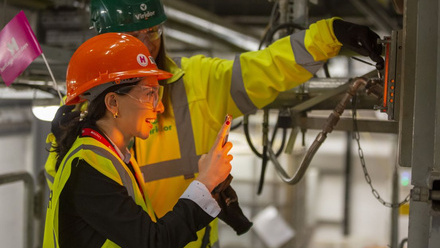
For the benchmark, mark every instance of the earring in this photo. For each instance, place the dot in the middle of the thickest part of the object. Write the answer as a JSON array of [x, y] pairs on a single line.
[[83, 115], [115, 115]]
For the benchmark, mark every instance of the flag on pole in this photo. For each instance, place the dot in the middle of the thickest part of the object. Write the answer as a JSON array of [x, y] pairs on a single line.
[[18, 48]]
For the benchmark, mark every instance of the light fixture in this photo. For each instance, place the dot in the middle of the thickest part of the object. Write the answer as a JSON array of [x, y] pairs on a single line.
[[45, 109], [241, 40], [45, 113], [188, 38]]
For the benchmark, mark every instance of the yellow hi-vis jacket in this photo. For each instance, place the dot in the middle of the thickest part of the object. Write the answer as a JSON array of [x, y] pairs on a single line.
[[109, 164], [200, 94]]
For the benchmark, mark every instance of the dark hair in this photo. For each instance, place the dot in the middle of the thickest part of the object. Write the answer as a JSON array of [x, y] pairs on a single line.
[[72, 129], [161, 64], [160, 59]]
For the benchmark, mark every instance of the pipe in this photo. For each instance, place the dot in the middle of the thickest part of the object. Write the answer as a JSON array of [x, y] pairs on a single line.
[[395, 210], [320, 138], [404, 241], [347, 187]]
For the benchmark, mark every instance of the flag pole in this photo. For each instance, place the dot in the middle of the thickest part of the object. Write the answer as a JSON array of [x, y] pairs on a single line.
[[4, 13], [53, 79]]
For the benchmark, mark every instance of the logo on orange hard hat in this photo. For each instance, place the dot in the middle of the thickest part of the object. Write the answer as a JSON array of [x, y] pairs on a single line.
[[142, 60], [152, 60]]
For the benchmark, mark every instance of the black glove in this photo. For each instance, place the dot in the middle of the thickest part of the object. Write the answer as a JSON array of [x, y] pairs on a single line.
[[62, 117], [231, 212], [359, 39]]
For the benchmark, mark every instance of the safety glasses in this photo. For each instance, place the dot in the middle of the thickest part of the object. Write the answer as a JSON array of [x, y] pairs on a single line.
[[143, 93], [152, 34]]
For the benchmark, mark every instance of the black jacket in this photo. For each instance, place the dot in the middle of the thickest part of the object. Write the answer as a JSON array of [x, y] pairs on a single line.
[[94, 208]]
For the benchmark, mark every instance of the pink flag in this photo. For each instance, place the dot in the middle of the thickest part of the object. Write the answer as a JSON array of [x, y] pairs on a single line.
[[18, 48]]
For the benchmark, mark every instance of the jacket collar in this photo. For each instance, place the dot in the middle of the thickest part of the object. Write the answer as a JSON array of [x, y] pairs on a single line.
[[171, 66]]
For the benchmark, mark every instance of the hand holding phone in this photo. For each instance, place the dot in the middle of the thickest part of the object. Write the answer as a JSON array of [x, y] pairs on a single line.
[[215, 166], [222, 186]]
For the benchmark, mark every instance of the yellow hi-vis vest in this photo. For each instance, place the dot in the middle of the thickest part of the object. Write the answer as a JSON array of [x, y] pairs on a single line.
[[106, 162], [203, 90]]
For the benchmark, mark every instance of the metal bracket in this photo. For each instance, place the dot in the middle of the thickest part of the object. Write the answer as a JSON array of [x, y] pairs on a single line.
[[420, 194], [430, 194]]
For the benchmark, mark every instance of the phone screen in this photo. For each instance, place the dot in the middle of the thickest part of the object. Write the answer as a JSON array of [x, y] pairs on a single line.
[[227, 118]]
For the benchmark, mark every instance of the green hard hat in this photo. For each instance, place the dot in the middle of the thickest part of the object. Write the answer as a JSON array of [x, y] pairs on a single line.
[[125, 15]]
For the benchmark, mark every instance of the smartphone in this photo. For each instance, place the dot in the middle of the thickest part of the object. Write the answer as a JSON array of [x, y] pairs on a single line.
[[223, 185], [227, 118]]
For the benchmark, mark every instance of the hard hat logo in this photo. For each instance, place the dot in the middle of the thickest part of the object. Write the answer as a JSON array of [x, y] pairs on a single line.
[[145, 15], [142, 60], [125, 16], [152, 60]]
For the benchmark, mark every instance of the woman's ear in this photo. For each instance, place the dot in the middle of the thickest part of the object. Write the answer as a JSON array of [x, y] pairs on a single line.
[[111, 102]]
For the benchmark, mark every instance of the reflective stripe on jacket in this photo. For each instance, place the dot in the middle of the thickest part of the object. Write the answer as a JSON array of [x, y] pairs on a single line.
[[49, 167], [203, 90], [106, 162]]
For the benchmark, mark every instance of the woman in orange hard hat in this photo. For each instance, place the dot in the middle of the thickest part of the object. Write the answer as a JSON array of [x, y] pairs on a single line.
[[98, 197], [203, 90]]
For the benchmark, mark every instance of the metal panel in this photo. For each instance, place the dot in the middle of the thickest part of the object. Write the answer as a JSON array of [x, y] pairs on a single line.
[[407, 84], [424, 228]]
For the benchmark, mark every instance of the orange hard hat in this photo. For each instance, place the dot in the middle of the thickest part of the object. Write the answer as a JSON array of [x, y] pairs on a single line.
[[106, 60]]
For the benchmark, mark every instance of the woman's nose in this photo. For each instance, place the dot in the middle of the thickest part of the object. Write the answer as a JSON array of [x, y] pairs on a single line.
[[159, 108]]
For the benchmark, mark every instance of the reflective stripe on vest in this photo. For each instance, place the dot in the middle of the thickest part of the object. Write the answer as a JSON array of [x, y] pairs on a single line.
[[105, 158], [126, 180], [49, 178], [187, 165], [125, 177], [238, 92], [302, 56]]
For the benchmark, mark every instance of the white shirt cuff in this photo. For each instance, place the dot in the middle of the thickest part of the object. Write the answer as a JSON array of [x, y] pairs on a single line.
[[198, 193]]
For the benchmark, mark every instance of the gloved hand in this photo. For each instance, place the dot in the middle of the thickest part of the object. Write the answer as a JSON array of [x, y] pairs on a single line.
[[359, 39], [62, 117], [231, 212]]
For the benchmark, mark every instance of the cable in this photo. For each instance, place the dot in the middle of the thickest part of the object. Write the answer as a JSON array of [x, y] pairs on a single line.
[[236, 125], [283, 139], [265, 147], [326, 71], [248, 138], [271, 21], [266, 144], [272, 32]]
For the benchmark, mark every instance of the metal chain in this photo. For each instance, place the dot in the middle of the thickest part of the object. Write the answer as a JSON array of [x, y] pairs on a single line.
[[364, 167]]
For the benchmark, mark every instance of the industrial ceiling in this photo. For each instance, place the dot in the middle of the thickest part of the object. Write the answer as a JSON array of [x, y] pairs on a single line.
[[62, 25]]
